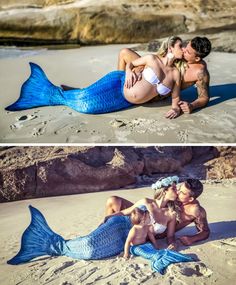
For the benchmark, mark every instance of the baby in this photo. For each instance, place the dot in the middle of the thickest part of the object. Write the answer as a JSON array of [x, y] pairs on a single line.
[[141, 231]]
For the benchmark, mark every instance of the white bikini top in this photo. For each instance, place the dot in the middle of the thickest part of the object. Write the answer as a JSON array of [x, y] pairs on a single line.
[[158, 228], [150, 76]]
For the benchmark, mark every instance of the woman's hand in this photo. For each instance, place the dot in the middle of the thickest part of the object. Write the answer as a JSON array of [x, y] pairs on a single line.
[[138, 71], [173, 113], [131, 79]]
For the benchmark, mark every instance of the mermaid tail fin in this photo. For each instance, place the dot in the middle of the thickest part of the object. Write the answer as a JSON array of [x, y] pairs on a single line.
[[37, 240], [37, 91], [160, 259]]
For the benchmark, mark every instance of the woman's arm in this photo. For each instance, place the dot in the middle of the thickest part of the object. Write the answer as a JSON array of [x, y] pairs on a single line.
[[114, 214], [131, 77], [128, 211], [175, 110], [171, 233]]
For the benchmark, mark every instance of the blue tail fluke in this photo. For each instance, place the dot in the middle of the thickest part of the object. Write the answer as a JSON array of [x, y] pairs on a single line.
[[37, 91], [160, 259], [37, 240]]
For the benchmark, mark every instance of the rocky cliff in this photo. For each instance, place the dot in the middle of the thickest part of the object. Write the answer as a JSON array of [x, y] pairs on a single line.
[[29, 172], [107, 21]]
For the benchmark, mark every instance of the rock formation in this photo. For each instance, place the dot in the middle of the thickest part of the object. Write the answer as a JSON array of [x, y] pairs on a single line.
[[120, 21], [30, 172]]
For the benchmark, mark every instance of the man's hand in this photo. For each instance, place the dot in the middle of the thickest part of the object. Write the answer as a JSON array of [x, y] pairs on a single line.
[[185, 240], [186, 107]]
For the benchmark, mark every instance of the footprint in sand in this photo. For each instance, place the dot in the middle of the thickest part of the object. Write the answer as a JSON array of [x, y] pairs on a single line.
[[38, 132], [227, 244], [193, 269], [182, 136], [87, 273], [117, 123], [232, 262], [21, 120]]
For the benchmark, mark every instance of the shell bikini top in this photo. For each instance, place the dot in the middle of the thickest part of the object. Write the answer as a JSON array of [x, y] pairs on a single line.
[[158, 228], [150, 76]]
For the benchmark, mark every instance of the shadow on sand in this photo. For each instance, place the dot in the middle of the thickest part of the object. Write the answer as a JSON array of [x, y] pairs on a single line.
[[218, 94], [219, 231]]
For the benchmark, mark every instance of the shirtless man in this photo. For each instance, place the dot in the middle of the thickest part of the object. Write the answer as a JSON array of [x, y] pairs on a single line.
[[196, 72], [190, 210]]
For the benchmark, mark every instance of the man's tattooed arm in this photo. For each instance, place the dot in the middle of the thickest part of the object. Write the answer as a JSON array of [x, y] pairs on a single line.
[[202, 89]]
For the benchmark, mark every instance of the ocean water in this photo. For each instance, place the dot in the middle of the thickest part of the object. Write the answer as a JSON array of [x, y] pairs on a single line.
[[13, 51]]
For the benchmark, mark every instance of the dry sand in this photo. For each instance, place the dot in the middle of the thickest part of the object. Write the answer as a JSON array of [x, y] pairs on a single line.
[[142, 124], [75, 215]]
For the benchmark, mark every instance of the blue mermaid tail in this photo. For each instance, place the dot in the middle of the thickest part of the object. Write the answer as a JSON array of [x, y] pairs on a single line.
[[38, 240], [105, 95], [105, 241], [159, 259]]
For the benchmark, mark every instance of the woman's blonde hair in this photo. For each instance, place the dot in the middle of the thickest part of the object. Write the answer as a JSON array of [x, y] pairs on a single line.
[[180, 64]]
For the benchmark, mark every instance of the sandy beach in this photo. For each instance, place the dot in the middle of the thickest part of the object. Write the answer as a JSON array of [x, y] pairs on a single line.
[[141, 124], [75, 215]]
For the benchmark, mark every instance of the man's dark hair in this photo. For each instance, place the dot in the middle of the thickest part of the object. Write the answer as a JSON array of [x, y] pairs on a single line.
[[195, 186], [201, 45]]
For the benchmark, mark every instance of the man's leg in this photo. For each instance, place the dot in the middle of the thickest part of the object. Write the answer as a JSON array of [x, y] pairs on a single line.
[[126, 55], [115, 204]]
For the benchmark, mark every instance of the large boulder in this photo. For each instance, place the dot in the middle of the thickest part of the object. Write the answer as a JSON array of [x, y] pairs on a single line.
[[224, 166], [30, 172], [106, 21]]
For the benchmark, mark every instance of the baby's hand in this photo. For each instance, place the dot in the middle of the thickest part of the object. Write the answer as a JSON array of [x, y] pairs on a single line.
[[172, 246], [126, 256]]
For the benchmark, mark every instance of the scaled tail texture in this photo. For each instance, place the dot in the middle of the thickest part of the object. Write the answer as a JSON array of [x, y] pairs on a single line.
[[105, 241], [103, 96]]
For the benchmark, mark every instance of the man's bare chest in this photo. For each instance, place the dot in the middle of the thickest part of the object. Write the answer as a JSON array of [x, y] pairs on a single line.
[[190, 75], [185, 215]]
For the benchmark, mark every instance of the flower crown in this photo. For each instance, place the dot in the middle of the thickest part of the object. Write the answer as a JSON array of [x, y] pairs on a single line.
[[165, 182]]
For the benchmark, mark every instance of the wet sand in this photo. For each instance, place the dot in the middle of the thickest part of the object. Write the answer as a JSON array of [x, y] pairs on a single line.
[[75, 215], [140, 124]]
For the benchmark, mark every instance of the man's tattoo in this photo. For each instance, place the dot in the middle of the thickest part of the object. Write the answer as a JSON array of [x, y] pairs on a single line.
[[201, 222], [202, 83]]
